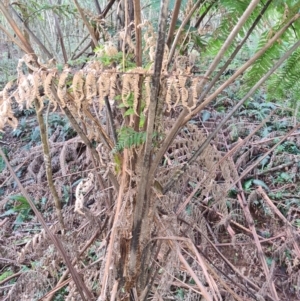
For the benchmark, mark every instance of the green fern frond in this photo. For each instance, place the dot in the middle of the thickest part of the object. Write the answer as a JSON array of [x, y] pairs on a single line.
[[128, 138], [231, 12], [285, 83]]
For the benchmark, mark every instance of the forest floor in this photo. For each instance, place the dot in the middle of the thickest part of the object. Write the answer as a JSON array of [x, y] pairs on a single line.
[[270, 190]]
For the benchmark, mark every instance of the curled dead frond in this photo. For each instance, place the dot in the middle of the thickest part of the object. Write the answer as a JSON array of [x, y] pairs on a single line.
[[136, 89], [103, 86], [194, 92], [29, 61], [78, 92], [61, 88], [170, 84], [7, 116], [113, 83], [126, 88], [183, 91], [48, 89], [147, 82], [83, 187], [110, 49], [90, 86], [24, 89], [131, 81], [6, 91]]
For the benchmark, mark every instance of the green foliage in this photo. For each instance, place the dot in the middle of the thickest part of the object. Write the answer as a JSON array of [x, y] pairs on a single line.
[[36, 9], [127, 138], [180, 294], [19, 207], [5, 275], [285, 84], [107, 59], [73, 63], [233, 10], [61, 294], [284, 177], [130, 110], [56, 120], [35, 135], [266, 61], [247, 185], [2, 164], [288, 147]]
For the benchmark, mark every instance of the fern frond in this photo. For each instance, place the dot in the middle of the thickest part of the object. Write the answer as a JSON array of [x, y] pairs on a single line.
[[78, 89], [61, 88], [48, 91], [128, 138], [285, 83], [90, 86]]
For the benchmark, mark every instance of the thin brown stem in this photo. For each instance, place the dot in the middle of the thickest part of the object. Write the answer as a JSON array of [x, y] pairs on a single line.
[[184, 22], [198, 22], [47, 160], [107, 8], [86, 23], [32, 35], [173, 22], [109, 252], [16, 29], [60, 37]]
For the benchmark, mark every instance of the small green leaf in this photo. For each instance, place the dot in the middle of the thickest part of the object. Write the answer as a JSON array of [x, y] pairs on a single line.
[[8, 212], [19, 198], [129, 112], [5, 275], [205, 115], [261, 183], [248, 184]]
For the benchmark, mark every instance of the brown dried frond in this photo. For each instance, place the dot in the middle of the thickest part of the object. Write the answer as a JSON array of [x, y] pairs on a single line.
[[150, 40], [90, 86], [103, 86], [29, 286], [28, 59], [83, 187], [33, 245], [78, 92], [168, 94], [48, 90], [24, 89], [33, 80], [127, 39], [113, 83], [135, 87], [7, 116], [164, 69], [147, 82], [183, 91], [126, 88], [188, 7], [110, 49], [61, 88], [6, 91], [195, 93], [39, 78]]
